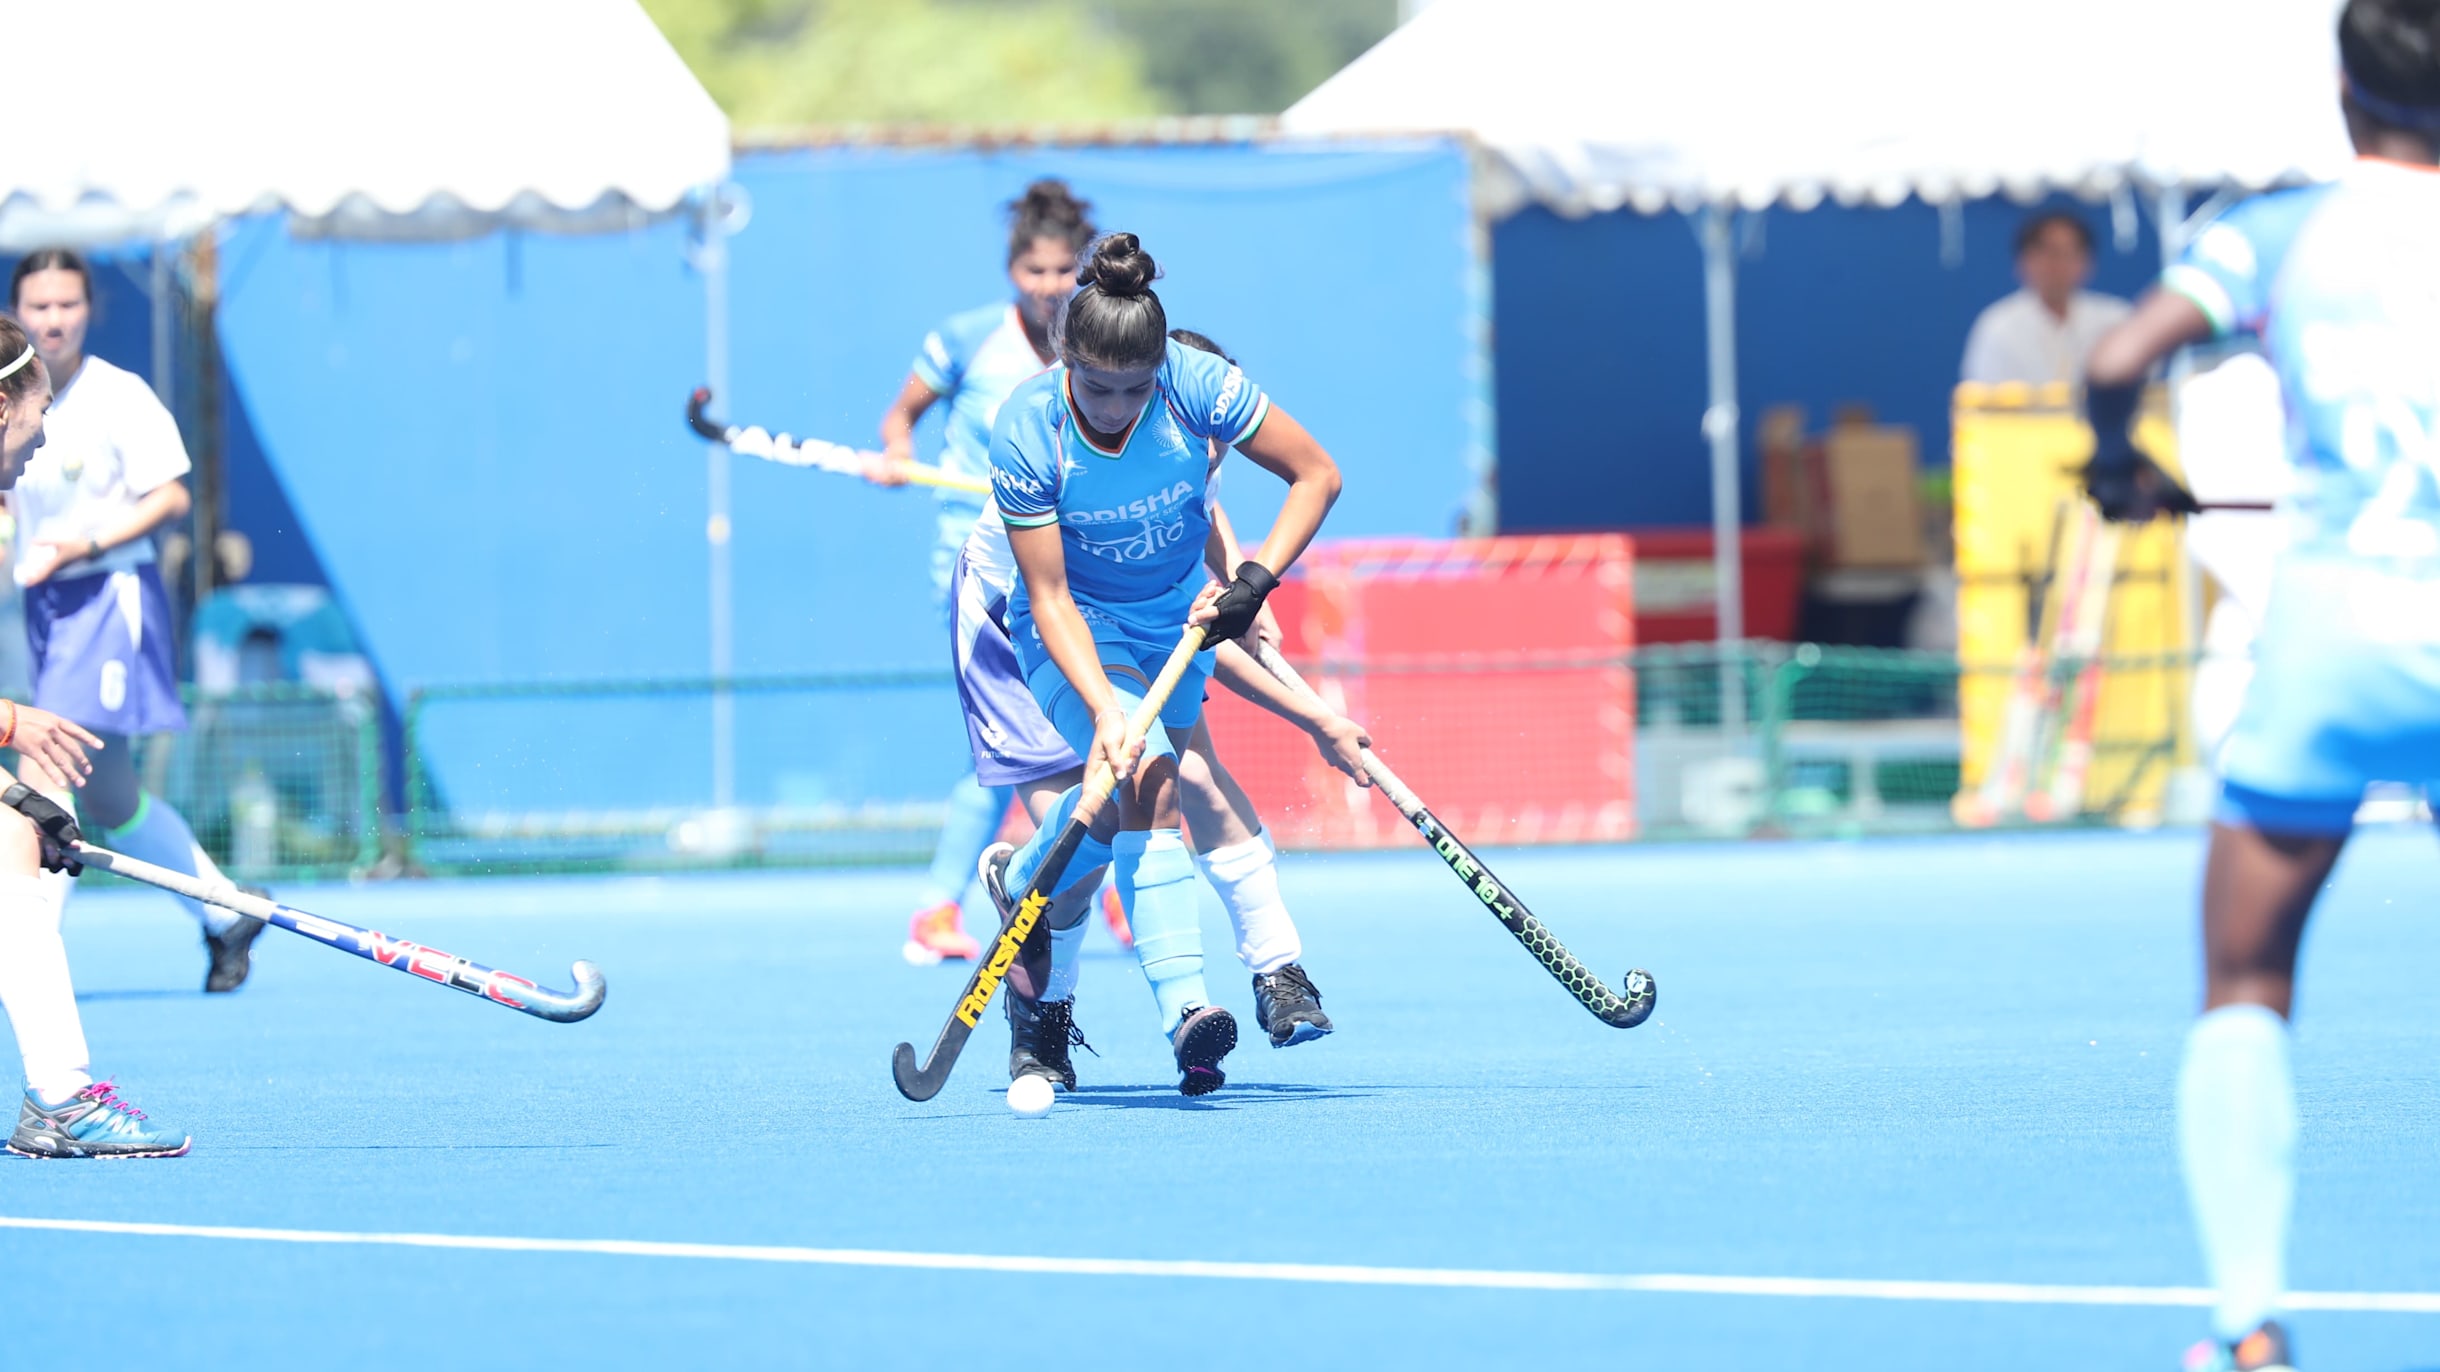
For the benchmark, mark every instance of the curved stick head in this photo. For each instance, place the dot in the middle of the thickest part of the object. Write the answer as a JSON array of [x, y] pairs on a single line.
[[697, 420], [1638, 996], [912, 1083], [567, 1008]]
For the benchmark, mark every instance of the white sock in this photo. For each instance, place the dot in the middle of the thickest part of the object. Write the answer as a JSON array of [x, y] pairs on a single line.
[[1067, 960], [2236, 1118], [158, 835], [35, 990], [1246, 875]]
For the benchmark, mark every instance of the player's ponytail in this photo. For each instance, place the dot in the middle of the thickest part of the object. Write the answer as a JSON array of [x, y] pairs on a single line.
[[1114, 321], [2390, 52], [1048, 209]]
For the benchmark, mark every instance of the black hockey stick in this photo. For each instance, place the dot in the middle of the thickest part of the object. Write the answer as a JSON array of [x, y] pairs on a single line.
[[923, 1081], [818, 453], [1625, 1008], [406, 955]]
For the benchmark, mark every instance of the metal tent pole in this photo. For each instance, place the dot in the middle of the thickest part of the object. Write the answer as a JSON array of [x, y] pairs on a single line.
[[712, 259], [1720, 425]]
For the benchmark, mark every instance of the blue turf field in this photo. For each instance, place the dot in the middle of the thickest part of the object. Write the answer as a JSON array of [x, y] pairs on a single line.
[[1943, 1061]]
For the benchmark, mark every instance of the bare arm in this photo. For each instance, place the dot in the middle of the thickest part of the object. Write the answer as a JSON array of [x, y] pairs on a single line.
[[1220, 550], [160, 505], [1339, 738], [2162, 323], [1283, 448], [898, 430]]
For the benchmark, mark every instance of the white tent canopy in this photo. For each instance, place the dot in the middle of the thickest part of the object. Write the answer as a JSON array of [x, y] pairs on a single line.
[[150, 118], [154, 120], [1711, 108], [1598, 104]]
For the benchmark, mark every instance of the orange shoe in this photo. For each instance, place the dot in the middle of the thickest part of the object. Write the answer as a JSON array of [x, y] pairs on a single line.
[[1115, 915], [938, 933]]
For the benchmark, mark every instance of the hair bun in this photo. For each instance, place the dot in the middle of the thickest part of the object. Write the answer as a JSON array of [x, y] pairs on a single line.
[[1121, 267]]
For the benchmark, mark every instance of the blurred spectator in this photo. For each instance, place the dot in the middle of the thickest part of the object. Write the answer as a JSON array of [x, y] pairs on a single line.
[[2041, 333]]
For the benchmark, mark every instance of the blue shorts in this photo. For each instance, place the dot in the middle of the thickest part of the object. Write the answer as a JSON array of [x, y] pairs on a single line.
[[2345, 693], [1013, 744], [102, 651], [1135, 639]]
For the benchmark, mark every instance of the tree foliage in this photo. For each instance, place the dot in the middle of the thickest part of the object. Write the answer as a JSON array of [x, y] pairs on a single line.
[[784, 63]]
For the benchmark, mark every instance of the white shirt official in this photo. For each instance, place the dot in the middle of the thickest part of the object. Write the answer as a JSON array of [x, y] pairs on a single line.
[[2019, 339], [107, 444]]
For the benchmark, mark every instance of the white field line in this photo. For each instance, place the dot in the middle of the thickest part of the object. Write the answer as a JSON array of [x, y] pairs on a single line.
[[2001, 1293]]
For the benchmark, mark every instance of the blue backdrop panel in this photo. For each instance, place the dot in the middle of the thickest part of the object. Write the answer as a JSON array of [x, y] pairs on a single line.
[[480, 442], [1337, 277], [1601, 380]]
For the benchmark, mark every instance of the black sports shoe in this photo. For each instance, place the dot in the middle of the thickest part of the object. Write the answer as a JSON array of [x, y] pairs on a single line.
[[232, 950], [1288, 1007], [1040, 1033], [1203, 1038]]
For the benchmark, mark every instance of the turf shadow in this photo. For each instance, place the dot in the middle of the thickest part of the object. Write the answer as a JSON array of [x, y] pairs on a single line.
[[1167, 1097], [139, 993]]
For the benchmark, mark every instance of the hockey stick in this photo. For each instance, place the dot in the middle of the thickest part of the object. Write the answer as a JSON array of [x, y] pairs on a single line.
[[923, 1081], [1631, 1005], [814, 452], [406, 955], [2004, 779], [2063, 797]]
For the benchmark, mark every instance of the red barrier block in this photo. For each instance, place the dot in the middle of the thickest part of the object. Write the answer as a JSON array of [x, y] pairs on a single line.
[[1491, 674]]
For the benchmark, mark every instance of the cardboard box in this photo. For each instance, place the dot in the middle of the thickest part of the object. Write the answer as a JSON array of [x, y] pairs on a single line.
[[1876, 519]]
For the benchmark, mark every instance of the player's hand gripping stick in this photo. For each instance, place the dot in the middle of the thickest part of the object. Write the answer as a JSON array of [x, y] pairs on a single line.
[[814, 452], [923, 1081], [405, 955], [1624, 1008]]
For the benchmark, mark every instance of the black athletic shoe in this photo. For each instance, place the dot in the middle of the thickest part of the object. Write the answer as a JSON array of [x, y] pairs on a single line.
[[1288, 1007], [232, 950], [1040, 1033], [1204, 1037]]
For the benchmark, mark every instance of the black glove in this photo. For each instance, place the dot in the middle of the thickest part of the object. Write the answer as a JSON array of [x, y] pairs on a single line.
[[58, 828], [1233, 613], [2122, 479]]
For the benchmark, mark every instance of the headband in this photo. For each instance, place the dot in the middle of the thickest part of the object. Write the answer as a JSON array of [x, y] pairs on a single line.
[[2419, 118], [19, 365]]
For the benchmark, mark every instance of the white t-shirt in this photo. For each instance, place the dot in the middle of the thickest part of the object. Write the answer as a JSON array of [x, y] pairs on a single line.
[[108, 443], [2019, 339]]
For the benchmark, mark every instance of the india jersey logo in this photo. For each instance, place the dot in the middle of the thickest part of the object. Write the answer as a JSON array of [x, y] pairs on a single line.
[[1159, 522], [1228, 395]]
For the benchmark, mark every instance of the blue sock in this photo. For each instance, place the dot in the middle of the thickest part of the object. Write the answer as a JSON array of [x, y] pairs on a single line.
[[157, 833], [1091, 855], [973, 821], [2236, 1116], [1156, 885]]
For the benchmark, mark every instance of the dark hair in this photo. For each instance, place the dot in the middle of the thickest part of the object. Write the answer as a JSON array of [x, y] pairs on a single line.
[[1114, 320], [48, 260], [1201, 342], [2390, 52], [1048, 209], [13, 343], [2030, 232]]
